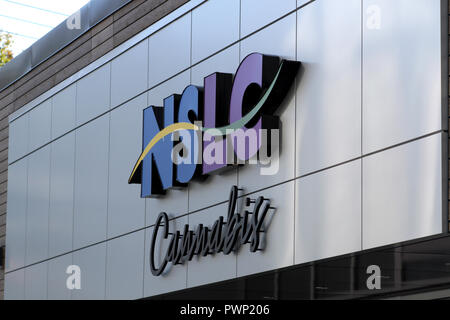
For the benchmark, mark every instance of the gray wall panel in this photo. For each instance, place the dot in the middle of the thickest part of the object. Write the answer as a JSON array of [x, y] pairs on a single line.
[[18, 138], [93, 94], [170, 50], [38, 205], [64, 111], [92, 263], [15, 285], [57, 278], [36, 282], [215, 25], [91, 182], [126, 211], [129, 73], [17, 215], [125, 268], [40, 125], [61, 195], [257, 13]]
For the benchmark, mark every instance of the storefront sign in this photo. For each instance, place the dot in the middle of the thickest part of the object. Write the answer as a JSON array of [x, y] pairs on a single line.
[[226, 235], [206, 121]]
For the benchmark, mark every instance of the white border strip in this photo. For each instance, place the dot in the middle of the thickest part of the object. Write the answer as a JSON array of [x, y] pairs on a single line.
[[107, 57]]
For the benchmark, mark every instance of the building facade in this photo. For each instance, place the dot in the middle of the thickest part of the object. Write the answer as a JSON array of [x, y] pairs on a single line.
[[361, 177]]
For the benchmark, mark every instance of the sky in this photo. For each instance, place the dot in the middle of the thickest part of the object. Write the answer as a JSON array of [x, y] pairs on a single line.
[[29, 20]]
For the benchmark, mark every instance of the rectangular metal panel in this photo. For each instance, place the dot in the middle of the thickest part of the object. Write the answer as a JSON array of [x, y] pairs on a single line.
[[16, 218], [40, 125], [125, 268], [15, 285], [200, 268], [175, 277], [216, 185], [93, 94], [402, 71], [175, 202], [402, 193], [328, 213], [170, 50], [302, 2], [91, 182], [126, 209], [256, 14], [329, 84], [18, 138], [57, 278], [61, 195], [278, 240], [215, 24], [278, 39], [92, 263], [36, 282], [38, 205], [129, 73], [64, 111]]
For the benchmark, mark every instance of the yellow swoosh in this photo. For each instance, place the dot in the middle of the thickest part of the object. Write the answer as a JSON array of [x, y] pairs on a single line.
[[163, 133]]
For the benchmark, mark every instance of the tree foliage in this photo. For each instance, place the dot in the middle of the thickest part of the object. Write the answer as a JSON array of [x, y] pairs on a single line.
[[6, 54]]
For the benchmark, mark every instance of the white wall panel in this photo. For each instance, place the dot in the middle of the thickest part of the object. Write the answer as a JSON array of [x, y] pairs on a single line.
[[329, 85], [279, 238], [328, 213], [402, 71], [402, 193]]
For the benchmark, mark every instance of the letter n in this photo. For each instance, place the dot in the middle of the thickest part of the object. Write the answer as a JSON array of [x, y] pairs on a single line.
[[158, 170]]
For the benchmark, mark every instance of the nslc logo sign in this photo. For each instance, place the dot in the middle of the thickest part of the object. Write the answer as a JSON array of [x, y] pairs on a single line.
[[207, 129]]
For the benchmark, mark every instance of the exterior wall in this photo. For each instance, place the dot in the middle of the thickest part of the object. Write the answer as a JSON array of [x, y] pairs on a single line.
[[360, 167], [107, 35]]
